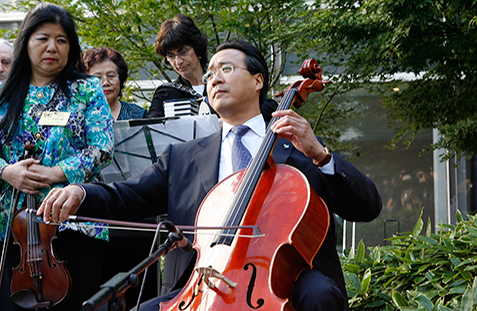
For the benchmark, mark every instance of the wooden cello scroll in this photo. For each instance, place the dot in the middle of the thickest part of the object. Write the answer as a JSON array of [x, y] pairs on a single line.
[[234, 273], [314, 83], [40, 280]]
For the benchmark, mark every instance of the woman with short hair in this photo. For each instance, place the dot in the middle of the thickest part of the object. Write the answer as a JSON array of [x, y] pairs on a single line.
[[110, 67], [184, 46]]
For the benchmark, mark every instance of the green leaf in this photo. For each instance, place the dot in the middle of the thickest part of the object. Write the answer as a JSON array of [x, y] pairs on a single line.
[[355, 281], [472, 230], [425, 303], [458, 290], [428, 240], [358, 258], [457, 265], [429, 275], [423, 268], [467, 301], [418, 227], [351, 267], [474, 289], [429, 228], [366, 281], [399, 300], [458, 216]]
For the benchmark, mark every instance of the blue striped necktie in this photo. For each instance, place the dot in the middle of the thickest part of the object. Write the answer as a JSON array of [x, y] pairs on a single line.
[[240, 155]]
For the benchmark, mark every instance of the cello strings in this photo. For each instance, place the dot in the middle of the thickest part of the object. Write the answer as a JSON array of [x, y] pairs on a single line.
[[237, 205], [32, 251], [254, 171]]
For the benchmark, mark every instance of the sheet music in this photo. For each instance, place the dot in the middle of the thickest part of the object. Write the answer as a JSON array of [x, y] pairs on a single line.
[[138, 143]]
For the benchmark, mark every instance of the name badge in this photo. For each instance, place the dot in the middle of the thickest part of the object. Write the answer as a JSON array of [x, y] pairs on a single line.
[[54, 118]]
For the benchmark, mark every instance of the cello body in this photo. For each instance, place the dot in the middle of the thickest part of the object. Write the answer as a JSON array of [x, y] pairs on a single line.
[[256, 272]]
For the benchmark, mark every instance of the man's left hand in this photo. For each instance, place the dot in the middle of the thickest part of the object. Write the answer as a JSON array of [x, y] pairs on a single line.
[[296, 129]]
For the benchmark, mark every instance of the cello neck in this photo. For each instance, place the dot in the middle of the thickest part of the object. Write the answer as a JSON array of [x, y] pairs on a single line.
[[239, 203]]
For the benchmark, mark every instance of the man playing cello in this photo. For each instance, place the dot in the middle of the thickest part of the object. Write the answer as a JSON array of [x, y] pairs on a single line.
[[237, 84]]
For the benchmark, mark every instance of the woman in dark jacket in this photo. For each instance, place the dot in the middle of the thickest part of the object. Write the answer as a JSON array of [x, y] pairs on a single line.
[[184, 46]]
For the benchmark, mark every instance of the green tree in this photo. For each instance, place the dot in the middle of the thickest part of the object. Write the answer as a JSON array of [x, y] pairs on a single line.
[[130, 26], [433, 39]]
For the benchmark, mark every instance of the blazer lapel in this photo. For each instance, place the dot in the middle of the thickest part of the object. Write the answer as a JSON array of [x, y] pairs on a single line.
[[282, 150], [207, 159]]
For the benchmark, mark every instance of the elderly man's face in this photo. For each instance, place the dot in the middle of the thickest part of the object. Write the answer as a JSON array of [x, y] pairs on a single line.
[[6, 55]]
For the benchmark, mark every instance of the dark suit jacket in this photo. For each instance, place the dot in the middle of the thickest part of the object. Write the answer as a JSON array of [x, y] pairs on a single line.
[[186, 172]]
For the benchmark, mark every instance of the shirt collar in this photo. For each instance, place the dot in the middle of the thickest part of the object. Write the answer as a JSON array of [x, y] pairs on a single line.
[[256, 124]]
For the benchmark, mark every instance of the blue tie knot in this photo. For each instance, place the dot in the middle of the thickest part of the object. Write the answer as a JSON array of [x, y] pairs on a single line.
[[240, 130]]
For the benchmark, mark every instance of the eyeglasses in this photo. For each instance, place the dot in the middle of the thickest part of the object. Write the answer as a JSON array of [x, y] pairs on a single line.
[[112, 78], [182, 54], [225, 70]]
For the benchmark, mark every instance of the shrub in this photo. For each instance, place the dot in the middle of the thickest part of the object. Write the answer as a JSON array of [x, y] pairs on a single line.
[[418, 271]]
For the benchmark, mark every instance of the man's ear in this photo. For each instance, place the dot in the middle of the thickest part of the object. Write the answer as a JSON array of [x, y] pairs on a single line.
[[258, 81]]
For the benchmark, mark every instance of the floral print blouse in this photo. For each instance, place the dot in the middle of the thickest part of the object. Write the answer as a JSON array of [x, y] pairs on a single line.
[[81, 149]]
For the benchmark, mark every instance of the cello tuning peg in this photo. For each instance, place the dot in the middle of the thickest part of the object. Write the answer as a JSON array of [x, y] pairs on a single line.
[[279, 94]]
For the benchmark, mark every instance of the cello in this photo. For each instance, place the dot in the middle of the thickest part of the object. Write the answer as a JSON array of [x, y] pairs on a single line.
[[236, 272], [40, 280]]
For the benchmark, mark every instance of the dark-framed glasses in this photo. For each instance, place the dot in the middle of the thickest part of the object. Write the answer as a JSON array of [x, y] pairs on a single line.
[[182, 54], [223, 71], [112, 78]]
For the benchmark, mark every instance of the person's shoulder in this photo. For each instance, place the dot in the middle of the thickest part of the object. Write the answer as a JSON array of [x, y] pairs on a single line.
[[131, 111], [199, 143], [85, 83], [85, 88]]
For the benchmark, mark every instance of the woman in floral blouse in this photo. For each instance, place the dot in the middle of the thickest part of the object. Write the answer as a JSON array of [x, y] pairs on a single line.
[[65, 115]]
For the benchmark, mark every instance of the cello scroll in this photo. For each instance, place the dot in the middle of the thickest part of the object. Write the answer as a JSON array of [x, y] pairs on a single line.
[[313, 82]]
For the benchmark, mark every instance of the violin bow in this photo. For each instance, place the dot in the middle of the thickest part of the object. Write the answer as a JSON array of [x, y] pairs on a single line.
[[147, 226]]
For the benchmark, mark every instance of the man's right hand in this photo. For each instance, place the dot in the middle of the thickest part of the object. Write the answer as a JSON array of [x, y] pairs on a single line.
[[60, 203]]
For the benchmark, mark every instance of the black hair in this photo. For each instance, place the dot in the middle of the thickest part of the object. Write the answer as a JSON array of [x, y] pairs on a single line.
[[254, 61], [94, 56], [15, 89], [179, 31]]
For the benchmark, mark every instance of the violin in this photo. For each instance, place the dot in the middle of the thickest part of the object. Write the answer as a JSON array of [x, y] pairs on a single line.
[[40, 280], [235, 272]]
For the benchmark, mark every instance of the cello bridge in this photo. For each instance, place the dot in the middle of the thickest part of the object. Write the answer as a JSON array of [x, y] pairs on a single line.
[[209, 272]]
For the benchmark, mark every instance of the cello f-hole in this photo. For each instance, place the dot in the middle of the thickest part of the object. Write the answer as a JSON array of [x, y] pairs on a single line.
[[195, 294], [251, 286]]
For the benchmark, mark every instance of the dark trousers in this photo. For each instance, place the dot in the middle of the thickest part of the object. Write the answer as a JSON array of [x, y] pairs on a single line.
[[313, 292]]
